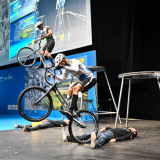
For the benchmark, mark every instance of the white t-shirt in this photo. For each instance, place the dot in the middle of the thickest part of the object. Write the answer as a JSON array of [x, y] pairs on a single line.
[[77, 69]]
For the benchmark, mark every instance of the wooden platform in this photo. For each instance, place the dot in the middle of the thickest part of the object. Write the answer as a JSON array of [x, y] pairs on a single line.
[[48, 144]]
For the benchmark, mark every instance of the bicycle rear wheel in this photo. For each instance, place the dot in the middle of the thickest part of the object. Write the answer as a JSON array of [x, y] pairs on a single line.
[[91, 125], [26, 57], [28, 110]]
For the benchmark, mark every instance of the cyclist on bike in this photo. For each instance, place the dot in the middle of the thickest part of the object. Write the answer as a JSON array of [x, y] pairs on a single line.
[[46, 32], [79, 70]]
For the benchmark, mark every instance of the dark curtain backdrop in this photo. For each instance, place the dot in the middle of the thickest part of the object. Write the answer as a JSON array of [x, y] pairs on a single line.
[[126, 38]]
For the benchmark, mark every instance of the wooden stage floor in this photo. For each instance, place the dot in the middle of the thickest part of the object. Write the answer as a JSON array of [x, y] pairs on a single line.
[[48, 144]]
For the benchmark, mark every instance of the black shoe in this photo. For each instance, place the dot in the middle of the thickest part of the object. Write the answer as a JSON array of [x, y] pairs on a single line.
[[52, 62], [40, 66], [68, 114]]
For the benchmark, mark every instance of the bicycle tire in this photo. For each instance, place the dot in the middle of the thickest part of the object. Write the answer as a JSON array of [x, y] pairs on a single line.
[[18, 58], [73, 137], [20, 106], [45, 77]]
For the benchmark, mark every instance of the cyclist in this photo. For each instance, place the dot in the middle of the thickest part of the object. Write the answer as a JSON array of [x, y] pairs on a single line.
[[46, 32], [79, 70]]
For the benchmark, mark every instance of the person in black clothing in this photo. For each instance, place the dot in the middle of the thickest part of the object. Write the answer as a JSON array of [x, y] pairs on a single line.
[[106, 135], [47, 123]]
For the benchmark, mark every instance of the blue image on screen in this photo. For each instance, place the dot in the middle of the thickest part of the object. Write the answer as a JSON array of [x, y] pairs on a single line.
[[22, 33], [21, 8]]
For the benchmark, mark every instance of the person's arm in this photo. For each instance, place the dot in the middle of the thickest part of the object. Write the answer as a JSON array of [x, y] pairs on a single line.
[[108, 128], [39, 38], [63, 76], [105, 128], [49, 33], [125, 137], [74, 67]]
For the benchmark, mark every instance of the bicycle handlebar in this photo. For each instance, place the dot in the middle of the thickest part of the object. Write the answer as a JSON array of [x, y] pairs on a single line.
[[43, 37]]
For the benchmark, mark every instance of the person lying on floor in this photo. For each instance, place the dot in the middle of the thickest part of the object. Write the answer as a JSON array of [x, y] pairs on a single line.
[[46, 123], [106, 135]]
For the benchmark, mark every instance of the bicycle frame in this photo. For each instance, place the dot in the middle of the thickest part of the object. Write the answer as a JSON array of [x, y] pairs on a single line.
[[62, 100], [42, 58]]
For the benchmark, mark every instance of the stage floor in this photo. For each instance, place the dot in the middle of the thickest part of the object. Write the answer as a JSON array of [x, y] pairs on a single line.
[[48, 144]]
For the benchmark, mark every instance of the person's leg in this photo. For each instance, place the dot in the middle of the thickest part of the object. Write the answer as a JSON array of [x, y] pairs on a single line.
[[70, 92], [76, 90], [50, 58], [29, 125], [90, 85], [40, 126], [21, 126], [67, 137], [82, 137], [49, 49], [104, 138]]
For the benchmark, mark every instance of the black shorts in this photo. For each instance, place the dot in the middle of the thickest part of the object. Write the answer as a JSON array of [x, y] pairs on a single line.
[[49, 46], [87, 83]]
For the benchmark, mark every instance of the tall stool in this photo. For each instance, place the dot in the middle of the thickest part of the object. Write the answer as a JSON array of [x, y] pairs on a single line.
[[103, 69]]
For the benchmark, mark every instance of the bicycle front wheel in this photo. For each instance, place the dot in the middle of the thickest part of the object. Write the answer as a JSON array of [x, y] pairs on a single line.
[[90, 124], [26, 57], [28, 109], [48, 76]]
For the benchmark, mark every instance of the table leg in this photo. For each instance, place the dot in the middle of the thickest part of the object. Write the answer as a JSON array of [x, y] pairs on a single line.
[[128, 103], [158, 84], [119, 102], [93, 108], [96, 100]]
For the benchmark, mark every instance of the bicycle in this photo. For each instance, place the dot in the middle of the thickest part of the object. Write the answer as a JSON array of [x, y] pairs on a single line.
[[27, 57], [39, 108]]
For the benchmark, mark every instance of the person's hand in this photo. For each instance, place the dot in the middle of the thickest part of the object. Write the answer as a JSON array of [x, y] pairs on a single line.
[[36, 41], [59, 67], [112, 140], [43, 37], [45, 120], [103, 129], [50, 74]]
